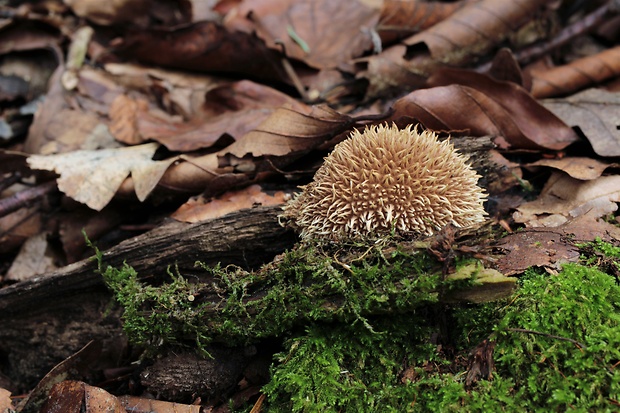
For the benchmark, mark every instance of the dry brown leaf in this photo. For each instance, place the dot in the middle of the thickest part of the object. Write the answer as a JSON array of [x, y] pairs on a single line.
[[75, 367], [70, 120], [457, 109], [75, 396], [97, 400], [109, 12], [400, 19], [576, 75], [322, 33], [123, 124], [466, 35], [144, 405], [204, 47], [228, 112], [179, 92], [539, 126], [93, 177], [535, 248], [577, 167], [17, 227], [289, 131], [135, 12], [550, 247], [196, 210], [564, 198], [597, 113]]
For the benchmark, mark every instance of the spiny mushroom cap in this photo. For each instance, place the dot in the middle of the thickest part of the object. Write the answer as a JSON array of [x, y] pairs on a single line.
[[387, 180]]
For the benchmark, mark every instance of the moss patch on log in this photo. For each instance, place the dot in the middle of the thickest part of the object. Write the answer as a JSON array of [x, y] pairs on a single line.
[[307, 284]]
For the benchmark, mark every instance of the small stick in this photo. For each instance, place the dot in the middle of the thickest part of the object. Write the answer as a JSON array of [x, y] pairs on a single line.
[[25, 197]]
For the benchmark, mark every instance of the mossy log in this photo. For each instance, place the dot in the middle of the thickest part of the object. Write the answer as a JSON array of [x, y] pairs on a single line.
[[46, 319]]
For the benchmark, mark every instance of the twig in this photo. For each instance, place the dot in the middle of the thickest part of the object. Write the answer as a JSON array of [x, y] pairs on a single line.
[[580, 345], [575, 29], [24, 198], [540, 333]]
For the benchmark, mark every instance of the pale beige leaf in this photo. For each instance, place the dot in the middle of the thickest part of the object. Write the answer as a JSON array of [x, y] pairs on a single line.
[[576, 166], [6, 405], [93, 177], [34, 258], [564, 198]]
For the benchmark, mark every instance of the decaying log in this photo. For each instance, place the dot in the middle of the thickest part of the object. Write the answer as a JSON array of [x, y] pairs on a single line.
[[46, 319]]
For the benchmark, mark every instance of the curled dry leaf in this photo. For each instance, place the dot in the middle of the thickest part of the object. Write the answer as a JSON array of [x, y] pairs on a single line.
[[247, 102], [564, 198], [400, 19], [322, 33], [289, 131], [457, 109], [76, 396], [205, 47], [93, 177], [577, 167], [196, 210], [466, 35], [539, 127], [576, 75], [597, 113]]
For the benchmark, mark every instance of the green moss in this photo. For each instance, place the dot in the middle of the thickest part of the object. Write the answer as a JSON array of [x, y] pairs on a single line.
[[557, 349], [364, 331], [304, 285]]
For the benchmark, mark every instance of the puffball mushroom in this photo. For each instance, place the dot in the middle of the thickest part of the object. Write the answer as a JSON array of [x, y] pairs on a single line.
[[387, 180]]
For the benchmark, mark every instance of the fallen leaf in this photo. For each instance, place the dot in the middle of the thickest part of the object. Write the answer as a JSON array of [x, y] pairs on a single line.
[[466, 35], [197, 210], [93, 177], [597, 113], [34, 258], [6, 404], [564, 198], [456, 109], [75, 367], [576, 75], [204, 47], [123, 119], [322, 33], [540, 127], [535, 247], [97, 400], [578, 167], [134, 12], [288, 131], [76, 396], [144, 405], [400, 19], [249, 103], [61, 124]]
